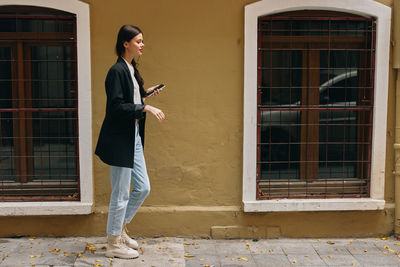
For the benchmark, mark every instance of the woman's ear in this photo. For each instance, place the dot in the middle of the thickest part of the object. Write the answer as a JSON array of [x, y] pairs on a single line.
[[126, 44]]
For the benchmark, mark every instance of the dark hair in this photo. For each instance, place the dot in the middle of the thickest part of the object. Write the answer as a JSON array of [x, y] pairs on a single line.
[[125, 34]]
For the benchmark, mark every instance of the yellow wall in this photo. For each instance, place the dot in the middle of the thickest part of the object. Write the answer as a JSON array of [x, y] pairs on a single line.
[[194, 158]]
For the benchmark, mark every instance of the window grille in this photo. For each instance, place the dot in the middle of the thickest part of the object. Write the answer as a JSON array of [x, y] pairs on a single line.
[[315, 105], [38, 105]]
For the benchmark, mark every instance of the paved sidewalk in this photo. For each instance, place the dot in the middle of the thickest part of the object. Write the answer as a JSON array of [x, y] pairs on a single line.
[[160, 252]]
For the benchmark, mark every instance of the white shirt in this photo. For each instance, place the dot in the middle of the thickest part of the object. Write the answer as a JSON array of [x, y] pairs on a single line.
[[136, 92]]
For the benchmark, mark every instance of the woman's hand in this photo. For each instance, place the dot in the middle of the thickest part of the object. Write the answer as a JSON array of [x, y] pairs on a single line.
[[156, 92], [155, 112]]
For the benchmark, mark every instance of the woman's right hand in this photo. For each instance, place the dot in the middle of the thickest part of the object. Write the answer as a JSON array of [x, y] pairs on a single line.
[[155, 112]]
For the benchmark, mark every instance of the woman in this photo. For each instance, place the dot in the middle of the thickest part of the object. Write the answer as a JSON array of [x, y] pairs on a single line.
[[121, 141]]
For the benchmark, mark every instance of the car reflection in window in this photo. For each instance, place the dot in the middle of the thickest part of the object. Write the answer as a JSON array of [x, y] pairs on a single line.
[[281, 131]]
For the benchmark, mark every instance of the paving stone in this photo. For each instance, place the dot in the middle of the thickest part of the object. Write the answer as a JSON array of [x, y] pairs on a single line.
[[365, 249], [374, 260], [200, 247], [203, 260], [265, 247], [340, 260], [331, 249], [7, 247], [228, 247], [39, 252], [236, 260], [299, 249], [267, 260], [306, 260]]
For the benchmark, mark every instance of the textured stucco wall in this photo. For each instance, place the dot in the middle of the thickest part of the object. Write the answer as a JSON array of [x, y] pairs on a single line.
[[194, 158]]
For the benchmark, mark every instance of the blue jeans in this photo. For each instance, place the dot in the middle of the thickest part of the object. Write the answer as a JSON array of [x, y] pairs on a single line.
[[124, 205]]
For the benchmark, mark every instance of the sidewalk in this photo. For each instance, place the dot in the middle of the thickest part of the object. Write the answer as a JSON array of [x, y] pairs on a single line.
[[171, 251]]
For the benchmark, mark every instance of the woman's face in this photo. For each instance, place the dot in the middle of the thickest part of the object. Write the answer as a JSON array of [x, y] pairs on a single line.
[[135, 46]]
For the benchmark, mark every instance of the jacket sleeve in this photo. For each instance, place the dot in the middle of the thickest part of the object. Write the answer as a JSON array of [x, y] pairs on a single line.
[[118, 106]]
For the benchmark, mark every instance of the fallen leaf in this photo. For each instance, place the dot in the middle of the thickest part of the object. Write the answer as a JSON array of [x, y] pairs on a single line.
[[110, 259], [79, 254], [319, 240], [329, 256], [294, 261], [391, 250], [243, 259], [99, 260], [386, 247], [201, 259], [144, 241], [365, 250], [398, 244], [353, 264], [36, 256], [159, 247], [384, 238], [54, 250], [330, 242], [90, 247], [189, 256], [186, 244], [172, 259], [104, 247], [32, 238], [247, 244], [65, 253]]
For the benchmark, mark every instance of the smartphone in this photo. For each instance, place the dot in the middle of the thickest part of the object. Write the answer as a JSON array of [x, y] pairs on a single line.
[[161, 86]]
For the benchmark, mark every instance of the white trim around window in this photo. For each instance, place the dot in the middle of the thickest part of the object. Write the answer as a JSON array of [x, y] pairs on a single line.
[[372, 8], [84, 206]]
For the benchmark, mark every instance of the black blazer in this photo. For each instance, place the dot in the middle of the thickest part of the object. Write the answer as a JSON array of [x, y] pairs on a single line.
[[115, 145]]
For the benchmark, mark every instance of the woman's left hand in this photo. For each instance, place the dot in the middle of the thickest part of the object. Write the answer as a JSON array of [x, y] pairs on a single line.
[[156, 92]]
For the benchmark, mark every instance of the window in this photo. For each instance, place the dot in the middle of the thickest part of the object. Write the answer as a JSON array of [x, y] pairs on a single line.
[[315, 105], [38, 105]]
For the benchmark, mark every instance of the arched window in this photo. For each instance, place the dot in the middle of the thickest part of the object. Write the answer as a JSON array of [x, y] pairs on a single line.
[[315, 105], [39, 157]]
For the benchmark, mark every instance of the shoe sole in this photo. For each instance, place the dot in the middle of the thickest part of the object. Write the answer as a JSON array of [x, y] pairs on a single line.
[[121, 257]]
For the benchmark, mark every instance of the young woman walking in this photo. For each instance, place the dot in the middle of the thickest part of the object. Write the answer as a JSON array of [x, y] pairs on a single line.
[[121, 140]]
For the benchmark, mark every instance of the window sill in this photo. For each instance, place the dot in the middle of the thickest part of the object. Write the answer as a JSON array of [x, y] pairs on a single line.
[[45, 208], [334, 204]]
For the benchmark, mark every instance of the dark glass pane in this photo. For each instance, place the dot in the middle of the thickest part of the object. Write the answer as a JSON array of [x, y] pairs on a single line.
[[5, 78], [44, 25], [8, 25]]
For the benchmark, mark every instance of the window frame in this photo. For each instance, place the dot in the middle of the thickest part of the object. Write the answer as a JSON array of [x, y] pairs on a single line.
[[84, 206], [376, 200]]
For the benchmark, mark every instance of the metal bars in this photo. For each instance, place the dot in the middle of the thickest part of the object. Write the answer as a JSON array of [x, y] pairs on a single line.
[[315, 105]]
